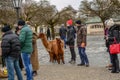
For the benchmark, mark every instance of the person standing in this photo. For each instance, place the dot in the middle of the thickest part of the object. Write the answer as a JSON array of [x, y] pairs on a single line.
[[11, 50], [108, 24], [62, 33], [48, 34], [113, 34], [71, 41], [25, 37], [41, 29], [81, 43], [17, 32], [34, 56]]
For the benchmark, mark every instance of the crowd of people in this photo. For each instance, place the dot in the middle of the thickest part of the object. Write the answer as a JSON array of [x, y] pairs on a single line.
[[112, 36], [68, 35], [19, 49]]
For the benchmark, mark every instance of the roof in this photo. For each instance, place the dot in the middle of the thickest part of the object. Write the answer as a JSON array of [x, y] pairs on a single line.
[[93, 20], [97, 20]]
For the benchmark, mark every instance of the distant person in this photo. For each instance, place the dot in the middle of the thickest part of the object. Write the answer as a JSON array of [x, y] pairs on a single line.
[[11, 50], [3, 59], [62, 33], [71, 41], [48, 34], [81, 43], [25, 37], [34, 56], [108, 24], [41, 30]]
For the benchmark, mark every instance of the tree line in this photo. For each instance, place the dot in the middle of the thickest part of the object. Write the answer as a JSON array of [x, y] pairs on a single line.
[[43, 13]]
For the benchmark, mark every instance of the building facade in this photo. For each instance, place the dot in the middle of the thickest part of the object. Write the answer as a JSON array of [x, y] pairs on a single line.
[[96, 28]]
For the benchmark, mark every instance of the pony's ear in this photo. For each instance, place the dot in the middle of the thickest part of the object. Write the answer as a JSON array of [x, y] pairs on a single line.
[[58, 40]]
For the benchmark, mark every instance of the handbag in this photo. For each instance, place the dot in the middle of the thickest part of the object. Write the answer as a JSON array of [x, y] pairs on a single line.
[[3, 73], [115, 47]]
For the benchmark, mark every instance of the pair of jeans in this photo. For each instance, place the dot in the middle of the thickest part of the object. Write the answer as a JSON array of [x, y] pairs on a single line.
[[27, 65], [13, 63], [73, 55], [83, 56]]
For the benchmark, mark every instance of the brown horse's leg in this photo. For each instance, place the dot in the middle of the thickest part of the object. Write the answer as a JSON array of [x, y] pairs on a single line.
[[58, 58], [62, 56], [51, 57], [55, 59]]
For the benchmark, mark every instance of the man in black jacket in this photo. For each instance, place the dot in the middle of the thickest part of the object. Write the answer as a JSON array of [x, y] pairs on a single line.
[[71, 40], [11, 50]]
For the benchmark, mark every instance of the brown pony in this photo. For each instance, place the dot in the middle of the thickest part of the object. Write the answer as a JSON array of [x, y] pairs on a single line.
[[51, 47], [60, 49]]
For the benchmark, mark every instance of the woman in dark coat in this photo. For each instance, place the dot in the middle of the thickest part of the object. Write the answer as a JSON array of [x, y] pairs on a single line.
[[71, 41], [114, 32]]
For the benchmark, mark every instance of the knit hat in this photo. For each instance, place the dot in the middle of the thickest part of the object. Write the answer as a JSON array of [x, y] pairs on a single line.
[[69, 22], [109, 22], [78, 22], [6, 28], [21, 22]]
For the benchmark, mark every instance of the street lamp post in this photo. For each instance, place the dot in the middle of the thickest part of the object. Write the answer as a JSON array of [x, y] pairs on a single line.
[[17, 6]]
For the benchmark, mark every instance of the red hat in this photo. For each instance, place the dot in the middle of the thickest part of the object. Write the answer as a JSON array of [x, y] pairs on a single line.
[[69, 22]]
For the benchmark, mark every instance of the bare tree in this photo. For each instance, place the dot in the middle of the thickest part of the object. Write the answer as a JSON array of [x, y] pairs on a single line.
[[67, 13], [7, 14], [53, 17], [116, 4], [43, 13], [104, 9]]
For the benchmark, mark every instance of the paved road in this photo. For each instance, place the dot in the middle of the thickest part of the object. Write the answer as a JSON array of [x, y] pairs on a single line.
[[95, 50], [98, 58]]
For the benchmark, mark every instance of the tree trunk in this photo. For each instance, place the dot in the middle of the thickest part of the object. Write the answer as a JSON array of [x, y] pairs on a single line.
[[36, 29], [103, 24], [52, 32]]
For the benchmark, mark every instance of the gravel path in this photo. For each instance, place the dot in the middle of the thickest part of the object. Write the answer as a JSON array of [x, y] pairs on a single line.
[[73, 72]]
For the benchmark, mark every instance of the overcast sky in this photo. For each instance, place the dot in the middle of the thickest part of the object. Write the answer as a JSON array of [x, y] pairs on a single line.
[[63, 3]]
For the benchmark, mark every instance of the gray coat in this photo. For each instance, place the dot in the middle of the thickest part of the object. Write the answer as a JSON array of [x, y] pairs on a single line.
[[10, 45]]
